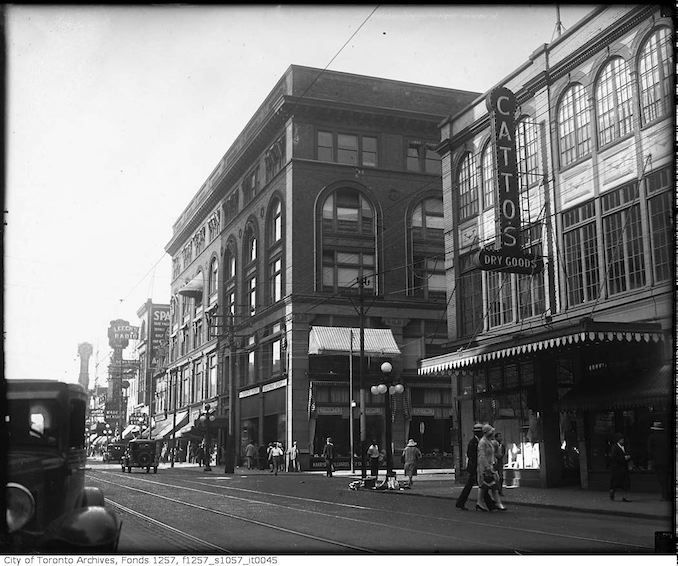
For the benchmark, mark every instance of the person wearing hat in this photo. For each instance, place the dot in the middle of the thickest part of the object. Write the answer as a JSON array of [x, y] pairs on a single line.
[[328, 454], [487, 479], [471, 466], [658, 451], [411, 455], [620, 479]]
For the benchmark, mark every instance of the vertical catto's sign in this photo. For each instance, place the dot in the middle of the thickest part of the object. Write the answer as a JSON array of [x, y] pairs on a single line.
[[501, 103], [510, 257]]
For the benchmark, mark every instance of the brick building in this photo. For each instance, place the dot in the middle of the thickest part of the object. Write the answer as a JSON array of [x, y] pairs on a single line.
[[330, 193], [561, 359]]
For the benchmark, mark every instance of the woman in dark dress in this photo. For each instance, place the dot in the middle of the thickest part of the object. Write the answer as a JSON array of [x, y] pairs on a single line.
[[620, 479]]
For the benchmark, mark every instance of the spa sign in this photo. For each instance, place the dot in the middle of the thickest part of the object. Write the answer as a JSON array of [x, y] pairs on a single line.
[[510, 257]]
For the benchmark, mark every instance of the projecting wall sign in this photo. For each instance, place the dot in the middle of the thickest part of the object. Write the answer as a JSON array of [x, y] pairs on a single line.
[[510, 257]]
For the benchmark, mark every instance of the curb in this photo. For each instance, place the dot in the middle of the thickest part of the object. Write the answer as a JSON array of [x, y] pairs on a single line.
[[631, 514]]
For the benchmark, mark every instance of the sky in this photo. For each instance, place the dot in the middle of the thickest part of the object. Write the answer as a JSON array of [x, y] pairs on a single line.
[[117, 115]]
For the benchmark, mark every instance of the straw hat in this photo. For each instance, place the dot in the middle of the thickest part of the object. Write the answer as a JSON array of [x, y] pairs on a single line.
[[477, 427], [487, 428], [656, 425], [411, 442]]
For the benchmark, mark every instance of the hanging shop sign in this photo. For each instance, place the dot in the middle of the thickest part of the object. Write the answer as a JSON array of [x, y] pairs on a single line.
[[510, 257]]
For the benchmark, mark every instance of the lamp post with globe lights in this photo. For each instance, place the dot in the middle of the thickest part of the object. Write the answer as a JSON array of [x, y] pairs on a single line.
[[387, 389], [205, 421]]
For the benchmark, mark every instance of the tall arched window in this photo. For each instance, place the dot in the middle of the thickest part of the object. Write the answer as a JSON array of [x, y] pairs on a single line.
[[614, 102], [655, 74], [487, 169], [230, 278], [574, 125], [275, 252], [527, 150], [250, 267], [468, 188], [213, 281], [348, 240], [427, 273]]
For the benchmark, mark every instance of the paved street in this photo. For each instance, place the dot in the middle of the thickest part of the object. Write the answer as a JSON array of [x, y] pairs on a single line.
[[186, 510]]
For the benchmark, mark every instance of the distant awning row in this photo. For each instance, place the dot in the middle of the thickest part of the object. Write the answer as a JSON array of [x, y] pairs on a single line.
[[337, 340], [166, 427], [467, 357]]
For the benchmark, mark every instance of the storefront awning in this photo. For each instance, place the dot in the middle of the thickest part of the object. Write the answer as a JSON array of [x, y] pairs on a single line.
[[336, 340], [164, 430], [650, 388], [129, 431], [586, 333], [193, 288]]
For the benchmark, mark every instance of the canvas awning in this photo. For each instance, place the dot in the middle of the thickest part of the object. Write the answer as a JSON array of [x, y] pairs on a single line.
[[514, 345], [606, 393], [129, 431], [194, 287], [164, 430], [335, 340]]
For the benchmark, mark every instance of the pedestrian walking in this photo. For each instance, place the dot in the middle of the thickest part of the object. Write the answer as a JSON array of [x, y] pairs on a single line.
[[250, 454], [487, 478], [658, 450], [293, 455], [471, 466], [269, 456], [263, 457], [411, 455], [276, 456], [499, 454], [373, 454], [328, 454], [620, 479], [199, 455]]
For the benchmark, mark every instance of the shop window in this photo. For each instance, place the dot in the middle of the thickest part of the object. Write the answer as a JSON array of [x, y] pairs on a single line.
[[581, 254], [655, 76], [614, 102], [574, 125]]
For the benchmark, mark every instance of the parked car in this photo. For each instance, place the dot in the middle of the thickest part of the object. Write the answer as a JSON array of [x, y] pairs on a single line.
[[141, 453], [48, 507], [114, 452]]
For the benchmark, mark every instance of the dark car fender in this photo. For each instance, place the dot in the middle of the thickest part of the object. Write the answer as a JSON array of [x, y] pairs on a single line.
[[87, 528]]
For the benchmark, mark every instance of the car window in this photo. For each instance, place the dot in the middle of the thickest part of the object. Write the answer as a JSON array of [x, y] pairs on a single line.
[[34, 422]]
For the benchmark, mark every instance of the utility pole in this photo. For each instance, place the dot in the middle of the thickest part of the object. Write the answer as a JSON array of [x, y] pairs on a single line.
[[230, 433], [361, 378]]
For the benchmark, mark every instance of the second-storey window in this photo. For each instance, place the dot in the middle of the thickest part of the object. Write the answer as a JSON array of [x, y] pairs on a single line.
[[581, 257], [614, 102], [350, 149], [574, 130], [468, 188], [660, 210], [655, 76]]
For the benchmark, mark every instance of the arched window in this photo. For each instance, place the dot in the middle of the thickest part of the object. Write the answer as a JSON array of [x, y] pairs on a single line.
[[614, 102], [348, 240], [527, 153], [574, 125], [230, 278], [655, 74], [213, 282], [468, 189], [487, 169], [250, 267], [427, 272], [275, 252]]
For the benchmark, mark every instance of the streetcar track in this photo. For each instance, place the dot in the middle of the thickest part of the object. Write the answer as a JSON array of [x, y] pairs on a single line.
[[237, 517], [174, 530], [408, 529]]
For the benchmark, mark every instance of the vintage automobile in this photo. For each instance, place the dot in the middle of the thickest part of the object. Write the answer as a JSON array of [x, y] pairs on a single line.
[[114, 452], [141, 453], [48, 507]]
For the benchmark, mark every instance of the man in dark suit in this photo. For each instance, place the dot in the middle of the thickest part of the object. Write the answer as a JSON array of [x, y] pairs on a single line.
[[328, 454], [471, 466]]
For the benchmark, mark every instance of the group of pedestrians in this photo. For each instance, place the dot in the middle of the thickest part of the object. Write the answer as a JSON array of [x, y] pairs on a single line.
[[274, 456], [485, 454]]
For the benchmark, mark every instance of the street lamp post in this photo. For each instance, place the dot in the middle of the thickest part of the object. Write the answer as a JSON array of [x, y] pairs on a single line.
[[206, 419], [388, 389]]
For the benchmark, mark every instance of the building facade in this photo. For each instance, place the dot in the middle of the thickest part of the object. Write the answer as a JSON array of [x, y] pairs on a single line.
[[560, 359], [325, 213]]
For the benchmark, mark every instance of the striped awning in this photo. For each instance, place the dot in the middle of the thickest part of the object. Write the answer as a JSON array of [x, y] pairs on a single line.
[[164, 429], [480, 354], [337, 340], [193, 288]]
